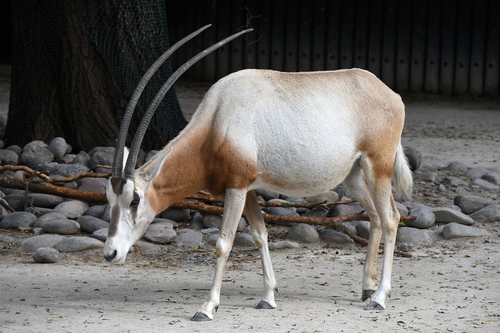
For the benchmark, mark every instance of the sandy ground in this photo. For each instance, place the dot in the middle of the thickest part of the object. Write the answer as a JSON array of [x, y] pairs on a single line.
[[451, 286]]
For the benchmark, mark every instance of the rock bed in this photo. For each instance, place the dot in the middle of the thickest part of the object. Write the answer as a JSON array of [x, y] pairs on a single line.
[[450, 201]]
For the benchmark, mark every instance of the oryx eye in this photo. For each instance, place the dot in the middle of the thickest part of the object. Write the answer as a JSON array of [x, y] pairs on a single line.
[[135, 200]]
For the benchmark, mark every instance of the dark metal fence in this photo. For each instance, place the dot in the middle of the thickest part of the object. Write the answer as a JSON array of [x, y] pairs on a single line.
[[447, 47]]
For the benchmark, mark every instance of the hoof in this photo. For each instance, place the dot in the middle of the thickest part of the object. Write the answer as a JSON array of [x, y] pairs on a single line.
[[198, 316], [366, 294], [374, 306], [264, 305]]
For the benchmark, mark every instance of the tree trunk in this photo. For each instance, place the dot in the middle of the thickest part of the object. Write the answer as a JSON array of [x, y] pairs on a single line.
[[75, 64]]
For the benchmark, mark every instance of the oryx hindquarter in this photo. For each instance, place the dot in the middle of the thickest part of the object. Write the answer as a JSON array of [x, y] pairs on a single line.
[[299, 134]]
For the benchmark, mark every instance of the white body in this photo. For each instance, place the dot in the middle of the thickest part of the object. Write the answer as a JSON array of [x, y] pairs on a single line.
[[300, 134]]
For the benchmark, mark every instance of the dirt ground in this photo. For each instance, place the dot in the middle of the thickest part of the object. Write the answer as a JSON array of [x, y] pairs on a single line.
[[451, 286]]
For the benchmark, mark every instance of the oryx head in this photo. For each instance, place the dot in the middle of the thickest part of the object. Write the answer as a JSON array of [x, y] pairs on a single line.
[[128, 192]]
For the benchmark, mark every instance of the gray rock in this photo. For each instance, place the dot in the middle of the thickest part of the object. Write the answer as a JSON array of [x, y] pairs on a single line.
[[6, 239], [489, 213], [303, 233], [330, 196], [72, 209], [455, 181], [334, 237], [162, 233], [196, 221], [68, 170], [281, 211], [244, 240], [101, 234], [8, 157], [163, 220], [456, 230], [424, 218], [414, 157], [36, 242], [471, 203], [47, 217], [101, 155], [18, 219], [188, 237], [267, 194], [448, 215], [58, 147], [285, 244], [44, 200], [82, 158], [485, 184], [16, 200], [97, 211], [430, 176], [36, 155], [476, 172], [145, 246], [95, 185], [60, 226], [90, 223], [432, 163], [492, 177], [46, 255], [412, 235], [457, 167], [404, 247], [339, 210], [176, 214], [317, 212], [362, 228], [77, 243], [212, 221], [212, 240], [402, 209]]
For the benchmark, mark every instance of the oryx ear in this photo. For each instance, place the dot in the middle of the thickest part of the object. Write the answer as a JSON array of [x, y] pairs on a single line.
[[154, 167]]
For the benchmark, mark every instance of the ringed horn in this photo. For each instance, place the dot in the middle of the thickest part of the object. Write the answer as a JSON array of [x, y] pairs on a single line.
[[141, 131]]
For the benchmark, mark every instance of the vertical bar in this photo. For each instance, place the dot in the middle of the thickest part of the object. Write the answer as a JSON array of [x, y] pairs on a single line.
[[278, 35], [403, 52], [304, 21], [478, 47], [237, 46], [291, 36], [375, 40], [223, 29], [318, 51], [209, 64], [263, 35], [418, 46], [492, 73], [361, 34], [348, 15], [252, 20], [462, 64], [333, 35], [448, 47], [389, 43], [433, 41]]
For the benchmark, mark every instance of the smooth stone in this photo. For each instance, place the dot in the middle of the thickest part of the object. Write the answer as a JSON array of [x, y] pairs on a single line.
[[476, 172], [212, 221], [90, 223], [82, 158], [47, 217], [46, 255], [72, 209], [58, 147], [485, 184], [162, 233], [244, 240], [145, 246], [448, 215], [489, 213], [36, 155], [36, 242], [176, 214], [331, 236], [457, 166], [6, 239], [414, 157], [267, 194], [164, 220], [67, 170], [94, 185], [319, 212], [432, 163], [303, 233], [402, 209], [285, 244], [101, 234], [101, 155], [77, 243], [17, 220], [16, 200], [8, 157], [456, 230], [412, 235], [471, 203], [60, 226], [280, 211], [97, 211], [430, 176], [196, 221], [330, 196], [492, 177], [362, 228], [404, 247], [455, 181], [188, 237], [424, 218], [340, 210], [44, 200]]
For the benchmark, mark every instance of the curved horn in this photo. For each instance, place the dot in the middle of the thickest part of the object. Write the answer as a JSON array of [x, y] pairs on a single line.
[[127, 116], [141, 131]]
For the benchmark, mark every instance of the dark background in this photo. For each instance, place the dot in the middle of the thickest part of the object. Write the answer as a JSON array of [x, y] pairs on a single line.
[[447, 47]]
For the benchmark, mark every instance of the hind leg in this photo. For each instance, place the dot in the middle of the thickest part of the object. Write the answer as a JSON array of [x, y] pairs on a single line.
[[357, 187], [259, 234]]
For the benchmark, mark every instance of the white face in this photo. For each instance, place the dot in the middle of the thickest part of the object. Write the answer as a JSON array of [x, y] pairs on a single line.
[[130, 217]]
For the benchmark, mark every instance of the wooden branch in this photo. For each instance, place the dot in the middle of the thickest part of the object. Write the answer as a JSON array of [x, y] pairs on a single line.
[[47, 178]]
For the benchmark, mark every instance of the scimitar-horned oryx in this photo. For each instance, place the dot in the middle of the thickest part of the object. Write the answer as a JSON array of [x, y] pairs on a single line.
[[299, 134]]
